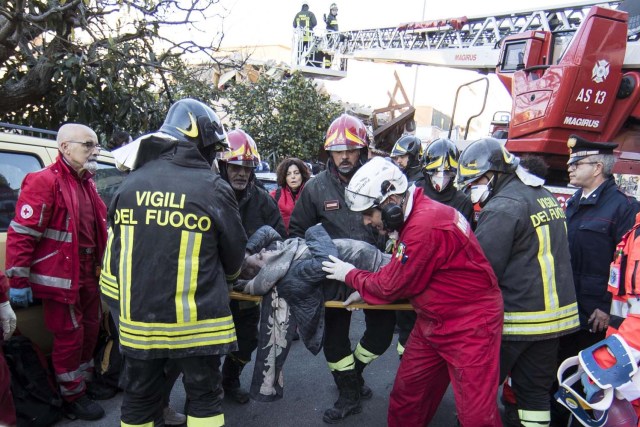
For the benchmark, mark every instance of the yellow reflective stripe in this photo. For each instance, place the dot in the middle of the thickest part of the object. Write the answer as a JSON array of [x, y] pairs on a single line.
[[149, 424], [453, 162], [193, 127], [215, 421], [400, 349], [124, 273], [331, 138], [187, 277], [352, 137], [541, 316], [107, 288], [436, 163], [464, 171], [559, 325], [507, 156], [398, 148], [547, 268], [534, 418], [364, 355], [147, 336], [108, 283], [106, 258], [232, 277], [343, 365]]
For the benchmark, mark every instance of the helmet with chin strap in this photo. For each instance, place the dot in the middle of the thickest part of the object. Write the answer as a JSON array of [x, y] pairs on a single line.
[[189, 120], [243, 150], [482, 156], [372, 184], [346, 133], [440, 163]]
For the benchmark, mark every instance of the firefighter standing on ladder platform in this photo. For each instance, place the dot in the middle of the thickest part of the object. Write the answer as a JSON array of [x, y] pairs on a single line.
[[305, 21]]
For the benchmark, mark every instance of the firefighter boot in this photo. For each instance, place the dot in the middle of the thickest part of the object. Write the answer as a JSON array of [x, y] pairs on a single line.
[[365, 391], [348, 402], [231, 370]]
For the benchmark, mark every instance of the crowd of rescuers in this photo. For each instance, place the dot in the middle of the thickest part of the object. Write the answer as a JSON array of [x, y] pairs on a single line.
[[506, 295]]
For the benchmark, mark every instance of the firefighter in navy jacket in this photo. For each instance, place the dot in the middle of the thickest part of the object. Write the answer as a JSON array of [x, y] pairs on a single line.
[[257, 208], [176, 241], [522, 231], [439, 266], [322, 201]]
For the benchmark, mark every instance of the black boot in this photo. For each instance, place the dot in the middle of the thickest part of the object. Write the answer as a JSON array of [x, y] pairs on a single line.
[[231, 370], [365, 391], [348, 402], [84, 409]]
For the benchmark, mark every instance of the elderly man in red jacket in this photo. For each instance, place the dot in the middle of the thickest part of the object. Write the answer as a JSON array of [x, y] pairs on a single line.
[[54, 247], [438, 265]]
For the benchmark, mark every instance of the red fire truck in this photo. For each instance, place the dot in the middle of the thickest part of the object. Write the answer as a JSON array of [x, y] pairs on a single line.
[[569, 69]]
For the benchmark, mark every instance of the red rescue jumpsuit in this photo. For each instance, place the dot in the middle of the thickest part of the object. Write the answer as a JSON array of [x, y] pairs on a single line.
[[54, 245], [439, 266]]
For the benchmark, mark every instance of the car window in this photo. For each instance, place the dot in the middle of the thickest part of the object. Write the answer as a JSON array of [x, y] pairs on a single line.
[[13, 168], [108, 179]]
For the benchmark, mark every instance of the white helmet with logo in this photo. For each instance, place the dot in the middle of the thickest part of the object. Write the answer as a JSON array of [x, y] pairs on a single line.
[[373, 183]]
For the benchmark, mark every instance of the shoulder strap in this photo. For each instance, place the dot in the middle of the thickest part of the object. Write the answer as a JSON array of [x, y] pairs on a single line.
[[278, 194]]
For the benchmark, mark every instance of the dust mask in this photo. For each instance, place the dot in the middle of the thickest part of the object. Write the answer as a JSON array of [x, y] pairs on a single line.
[[479, 193], [440, 180]]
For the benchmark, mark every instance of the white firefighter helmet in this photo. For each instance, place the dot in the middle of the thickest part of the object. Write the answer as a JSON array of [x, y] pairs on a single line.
[[373, 183]]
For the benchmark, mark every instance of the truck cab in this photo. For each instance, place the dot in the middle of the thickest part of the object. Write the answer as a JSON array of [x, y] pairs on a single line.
[[573, 83]]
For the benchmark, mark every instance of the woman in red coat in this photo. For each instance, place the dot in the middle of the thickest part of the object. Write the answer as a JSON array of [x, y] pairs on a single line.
[[292, 174]]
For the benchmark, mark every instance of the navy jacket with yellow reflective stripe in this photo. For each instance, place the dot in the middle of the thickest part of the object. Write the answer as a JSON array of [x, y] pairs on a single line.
[[175, 240], [522, 231]]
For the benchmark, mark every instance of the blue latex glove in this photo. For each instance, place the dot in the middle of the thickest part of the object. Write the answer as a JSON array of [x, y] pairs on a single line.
[[21, 297]]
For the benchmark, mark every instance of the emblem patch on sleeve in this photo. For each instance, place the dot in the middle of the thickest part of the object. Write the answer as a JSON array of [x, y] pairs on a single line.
[[331, 205], [26, 211], [400, 253]]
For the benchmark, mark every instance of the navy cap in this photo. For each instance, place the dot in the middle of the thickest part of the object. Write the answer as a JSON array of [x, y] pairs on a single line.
[[579, 148]]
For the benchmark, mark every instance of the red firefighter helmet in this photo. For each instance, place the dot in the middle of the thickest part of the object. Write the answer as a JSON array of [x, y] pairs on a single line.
[[346, 133], [243, 150]]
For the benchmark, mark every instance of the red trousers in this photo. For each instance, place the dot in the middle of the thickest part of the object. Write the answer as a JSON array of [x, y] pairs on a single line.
[[467, 356], [75, 331], [7, 410]]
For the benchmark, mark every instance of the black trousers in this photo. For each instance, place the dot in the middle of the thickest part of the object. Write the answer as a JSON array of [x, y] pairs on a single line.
[[376, 339], [246, 316], [171, 371], [405, 319], [143, 382], [532, 367]]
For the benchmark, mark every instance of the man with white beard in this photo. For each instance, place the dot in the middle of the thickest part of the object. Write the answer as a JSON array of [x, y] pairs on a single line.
[[54, 246]]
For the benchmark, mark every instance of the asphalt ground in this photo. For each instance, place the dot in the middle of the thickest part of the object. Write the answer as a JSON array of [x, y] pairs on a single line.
[[309, 390]]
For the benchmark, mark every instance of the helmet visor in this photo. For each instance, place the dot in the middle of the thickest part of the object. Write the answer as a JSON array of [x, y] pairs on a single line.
[[358, 202]]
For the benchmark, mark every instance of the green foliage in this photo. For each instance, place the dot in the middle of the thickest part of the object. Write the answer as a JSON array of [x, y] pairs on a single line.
[[286, 117], [73, 61]]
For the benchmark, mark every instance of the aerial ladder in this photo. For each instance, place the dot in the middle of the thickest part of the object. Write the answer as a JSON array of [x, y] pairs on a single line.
[[463, 43], [571, 69]]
